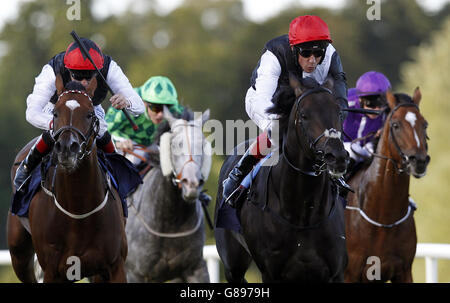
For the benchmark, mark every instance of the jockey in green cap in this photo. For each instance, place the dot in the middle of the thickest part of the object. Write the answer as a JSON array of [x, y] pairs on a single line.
[[155, 92]]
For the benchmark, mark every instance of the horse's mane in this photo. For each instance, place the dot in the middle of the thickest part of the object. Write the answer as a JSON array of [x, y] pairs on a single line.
[[403, 98], [164, 127], [284, 99], [74, 85]]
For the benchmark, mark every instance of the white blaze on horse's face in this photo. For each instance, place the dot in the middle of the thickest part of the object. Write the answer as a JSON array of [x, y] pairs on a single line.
[[187, 157], [72, 104], [411, 118]]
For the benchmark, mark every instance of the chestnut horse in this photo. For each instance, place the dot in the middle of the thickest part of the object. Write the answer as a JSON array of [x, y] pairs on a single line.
[[76, 220], [380, 228]]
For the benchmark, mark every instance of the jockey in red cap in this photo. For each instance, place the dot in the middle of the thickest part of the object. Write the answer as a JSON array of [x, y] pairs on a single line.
[[72, 65], [307, 52]]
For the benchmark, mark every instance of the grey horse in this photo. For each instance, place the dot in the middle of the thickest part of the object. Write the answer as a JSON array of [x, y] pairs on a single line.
[[165, 228]]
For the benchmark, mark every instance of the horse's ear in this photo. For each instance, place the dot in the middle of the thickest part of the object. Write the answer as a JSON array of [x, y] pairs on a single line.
[[329, 83], [205, 116], [59, 84], [168, 115], [417, 96], [90, 90], [295, 84], [392, 101]]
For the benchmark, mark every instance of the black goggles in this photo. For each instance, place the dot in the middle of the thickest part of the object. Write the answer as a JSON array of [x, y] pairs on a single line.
[[373, 101], [307, 52], [157, 108], [79, 75]]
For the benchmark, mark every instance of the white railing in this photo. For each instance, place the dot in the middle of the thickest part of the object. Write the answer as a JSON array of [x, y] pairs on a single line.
[[430, 251]]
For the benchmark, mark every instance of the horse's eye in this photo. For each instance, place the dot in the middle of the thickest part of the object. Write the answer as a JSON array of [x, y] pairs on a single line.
[[90, 115], [395, 125], [303, 116], [55, 115]]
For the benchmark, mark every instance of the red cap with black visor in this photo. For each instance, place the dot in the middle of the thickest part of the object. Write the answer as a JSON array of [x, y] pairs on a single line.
[[309, 35], [79, 65]]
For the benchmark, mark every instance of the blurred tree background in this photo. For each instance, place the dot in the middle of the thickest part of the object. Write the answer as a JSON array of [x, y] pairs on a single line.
[[209, 49]]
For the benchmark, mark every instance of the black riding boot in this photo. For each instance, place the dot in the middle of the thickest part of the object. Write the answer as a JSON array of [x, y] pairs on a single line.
[[32, 160], [237, 174]]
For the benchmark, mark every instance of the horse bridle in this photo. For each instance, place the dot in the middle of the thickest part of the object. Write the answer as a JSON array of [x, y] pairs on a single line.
[[331, 133], [404, 158], [92, 132], [177, 176]]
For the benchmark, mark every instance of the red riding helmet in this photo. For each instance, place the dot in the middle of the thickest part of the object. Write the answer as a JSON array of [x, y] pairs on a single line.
[[308, 28], [74, 58]]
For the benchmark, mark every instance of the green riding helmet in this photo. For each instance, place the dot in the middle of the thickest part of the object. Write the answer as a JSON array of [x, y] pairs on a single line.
[[158, 89]]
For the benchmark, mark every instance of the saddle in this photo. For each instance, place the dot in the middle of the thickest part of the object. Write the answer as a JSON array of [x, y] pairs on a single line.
[[227, 216], [124, 177]]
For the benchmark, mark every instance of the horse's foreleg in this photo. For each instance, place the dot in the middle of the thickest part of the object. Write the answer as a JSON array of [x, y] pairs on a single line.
[[199, 275], [21, 249], [403, 277], [117, 274], [235, 258]]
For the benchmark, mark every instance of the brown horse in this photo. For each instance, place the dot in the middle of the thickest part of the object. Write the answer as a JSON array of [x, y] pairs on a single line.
[[380, 228], [76, 220]]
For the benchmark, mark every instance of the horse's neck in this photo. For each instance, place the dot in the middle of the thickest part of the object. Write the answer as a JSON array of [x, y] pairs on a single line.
[[385, 189], [164, 199], [304, 200]]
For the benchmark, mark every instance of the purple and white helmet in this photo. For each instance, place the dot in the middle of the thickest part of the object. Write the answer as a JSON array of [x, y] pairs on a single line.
[[372, 83]]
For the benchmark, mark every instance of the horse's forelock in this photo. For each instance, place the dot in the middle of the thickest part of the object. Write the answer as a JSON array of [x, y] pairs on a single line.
[[74, 85], [403, 98]]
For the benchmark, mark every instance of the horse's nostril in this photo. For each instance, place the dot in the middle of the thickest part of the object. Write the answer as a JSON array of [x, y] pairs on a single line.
[[74, 147], [329, 158]]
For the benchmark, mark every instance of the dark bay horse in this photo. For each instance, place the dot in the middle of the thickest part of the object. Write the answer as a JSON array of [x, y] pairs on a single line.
[[298, 235], [165, 228], [381, 233], [76, 218]]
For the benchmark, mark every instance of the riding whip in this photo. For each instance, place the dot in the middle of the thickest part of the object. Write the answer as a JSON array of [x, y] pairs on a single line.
[[86, 53], [363, 111]]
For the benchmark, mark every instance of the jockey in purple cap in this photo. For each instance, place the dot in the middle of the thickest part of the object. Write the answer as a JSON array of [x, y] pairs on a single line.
[[370, 93]]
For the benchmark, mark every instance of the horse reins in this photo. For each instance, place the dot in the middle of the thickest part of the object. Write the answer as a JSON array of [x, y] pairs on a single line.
[[327, 133], [93, 130], [177, 181], [404, 158], [177, 176], [399, 168]]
